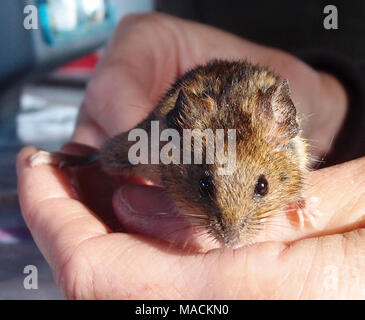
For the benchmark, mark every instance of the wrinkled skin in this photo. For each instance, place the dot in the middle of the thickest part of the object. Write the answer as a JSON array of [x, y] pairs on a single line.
[[70, 214]]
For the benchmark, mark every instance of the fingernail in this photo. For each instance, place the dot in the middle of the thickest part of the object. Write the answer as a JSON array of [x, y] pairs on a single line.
[[145, 200]]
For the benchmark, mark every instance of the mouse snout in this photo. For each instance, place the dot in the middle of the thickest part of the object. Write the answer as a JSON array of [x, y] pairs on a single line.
[[231, 239], [231, 232]]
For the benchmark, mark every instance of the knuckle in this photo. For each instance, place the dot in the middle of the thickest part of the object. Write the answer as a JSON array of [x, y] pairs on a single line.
[[140, 19]]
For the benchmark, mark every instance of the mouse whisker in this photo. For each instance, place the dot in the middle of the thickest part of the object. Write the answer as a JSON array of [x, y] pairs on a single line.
[[282, 212], [277, 224]]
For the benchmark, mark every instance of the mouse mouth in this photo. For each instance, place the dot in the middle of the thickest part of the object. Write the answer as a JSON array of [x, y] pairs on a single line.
[[233, 235], [232, 240], [232, 243], [237, 240], [227, 238]]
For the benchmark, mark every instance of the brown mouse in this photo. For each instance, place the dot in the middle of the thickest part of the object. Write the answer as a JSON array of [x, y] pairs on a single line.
[[271, 157]]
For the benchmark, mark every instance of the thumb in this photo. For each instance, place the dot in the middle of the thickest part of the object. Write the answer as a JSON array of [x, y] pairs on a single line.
[[149, 210], [335, 202]]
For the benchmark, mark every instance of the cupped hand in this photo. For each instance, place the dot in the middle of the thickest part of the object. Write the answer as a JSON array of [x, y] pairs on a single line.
[[147, 53], [90, 261], [72, 220]]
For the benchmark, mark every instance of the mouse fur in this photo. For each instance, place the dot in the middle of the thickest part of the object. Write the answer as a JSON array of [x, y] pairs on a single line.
[[271, 156]]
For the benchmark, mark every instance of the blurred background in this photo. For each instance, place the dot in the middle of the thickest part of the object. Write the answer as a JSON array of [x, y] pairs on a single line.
[[43, 74], [48, 51]]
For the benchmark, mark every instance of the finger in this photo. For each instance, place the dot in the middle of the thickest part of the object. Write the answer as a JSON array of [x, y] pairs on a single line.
[[342, 193], [88, 131], [149, 210], [123, 266], [58, 222], [126, 267], [123, 80], [148, 52], [335, 203]]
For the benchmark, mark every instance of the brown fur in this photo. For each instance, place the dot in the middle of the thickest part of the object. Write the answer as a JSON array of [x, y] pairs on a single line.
[[228, 95], [225, 95]]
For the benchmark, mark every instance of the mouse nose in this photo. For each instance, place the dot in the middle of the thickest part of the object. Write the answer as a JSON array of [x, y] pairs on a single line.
[[231, 232], [231, 236], [231, 239]]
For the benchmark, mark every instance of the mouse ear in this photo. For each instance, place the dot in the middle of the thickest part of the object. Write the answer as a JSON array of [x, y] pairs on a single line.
[[279, 112], [175, 117]]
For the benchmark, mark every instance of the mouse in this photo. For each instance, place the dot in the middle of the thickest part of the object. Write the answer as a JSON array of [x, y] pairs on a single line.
[[271, 156]]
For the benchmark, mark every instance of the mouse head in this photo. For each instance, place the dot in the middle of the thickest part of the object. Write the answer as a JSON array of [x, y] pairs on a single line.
[[267, 175]]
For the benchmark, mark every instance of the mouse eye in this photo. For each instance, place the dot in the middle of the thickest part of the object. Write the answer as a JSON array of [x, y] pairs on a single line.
[[206, 185], [261, 186]]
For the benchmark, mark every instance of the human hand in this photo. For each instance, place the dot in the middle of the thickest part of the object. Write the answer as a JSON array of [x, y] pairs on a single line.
[[148, 52], [91, 261]]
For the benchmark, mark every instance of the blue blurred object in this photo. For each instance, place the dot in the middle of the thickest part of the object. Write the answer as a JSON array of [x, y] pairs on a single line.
[[64, 30], [82, 18], [37, 108], [26, 55]]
